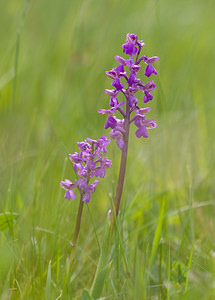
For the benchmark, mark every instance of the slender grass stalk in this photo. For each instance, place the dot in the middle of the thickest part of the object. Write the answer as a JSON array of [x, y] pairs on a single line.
[[169, 273], [189, 267], [17, 49], [94, 228]]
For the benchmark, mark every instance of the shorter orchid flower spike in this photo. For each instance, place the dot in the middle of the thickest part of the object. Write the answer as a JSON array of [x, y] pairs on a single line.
[[90, 162]]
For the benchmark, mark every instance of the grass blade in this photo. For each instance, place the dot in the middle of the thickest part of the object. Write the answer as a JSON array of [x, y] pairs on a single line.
[[157, 232], [6, 220], [48, 282], [103, 267], [86, 295]]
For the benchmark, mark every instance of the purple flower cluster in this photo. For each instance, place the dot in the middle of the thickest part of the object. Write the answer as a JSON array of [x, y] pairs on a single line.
[[89, 163], [132, 47]]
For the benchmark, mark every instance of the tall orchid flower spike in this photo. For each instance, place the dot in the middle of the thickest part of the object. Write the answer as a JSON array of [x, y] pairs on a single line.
[[125, 81]]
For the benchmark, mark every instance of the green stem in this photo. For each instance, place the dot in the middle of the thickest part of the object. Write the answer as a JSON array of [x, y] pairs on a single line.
[[70, 262], [78, 221], [121, 178]]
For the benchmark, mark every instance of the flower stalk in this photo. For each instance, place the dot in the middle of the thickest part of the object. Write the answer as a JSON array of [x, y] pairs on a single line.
[[122, 170], [90, 162], [78, 222], [120, 127]]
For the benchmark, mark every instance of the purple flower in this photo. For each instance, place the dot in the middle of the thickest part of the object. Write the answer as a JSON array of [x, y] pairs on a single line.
[[129, 49], [118, 72], [150, 86], [150, 60], [143, 125], [120, 60], [113, 101], [89, 189], [69, 195], [131, 38], [75, 158], [141, 131], [112, 93], [90, 162], [120, 69], [132, 100], [133, 80], [111, 122], [150, 70], [112, 74], [142, 111], [117, 84], [147, 97], [141, 43], [69, 186], [132, 44], [118, 136], [119, 131], [100, 172], [106, 111], [135, 68]]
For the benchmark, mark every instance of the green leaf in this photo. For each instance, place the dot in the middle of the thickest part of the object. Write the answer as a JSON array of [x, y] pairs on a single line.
[[179, 272], [48, 282], [103, 267], [157, 232], [100, 280], [189, 267], [6, 220], [86, 295]]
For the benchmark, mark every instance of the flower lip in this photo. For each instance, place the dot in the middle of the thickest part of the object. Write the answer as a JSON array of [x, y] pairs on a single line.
[[129, 48], [111, 122], [141, 131], [150, 70], [147, 97], [70, 195], [117, 84]]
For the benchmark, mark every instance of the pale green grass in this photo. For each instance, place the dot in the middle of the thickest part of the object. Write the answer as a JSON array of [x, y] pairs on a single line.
[[53, 55]]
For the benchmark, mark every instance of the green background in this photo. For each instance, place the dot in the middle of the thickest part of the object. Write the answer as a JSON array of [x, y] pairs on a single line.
[[53, 58]]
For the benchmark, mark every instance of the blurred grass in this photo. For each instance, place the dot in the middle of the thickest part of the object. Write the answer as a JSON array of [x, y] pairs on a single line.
[[52, 62]]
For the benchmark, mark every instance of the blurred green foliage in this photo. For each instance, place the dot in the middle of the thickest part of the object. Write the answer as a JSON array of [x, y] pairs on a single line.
[[53, 55]]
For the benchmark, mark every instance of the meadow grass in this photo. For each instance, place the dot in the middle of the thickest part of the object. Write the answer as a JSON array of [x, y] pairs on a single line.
[[53, 56]]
